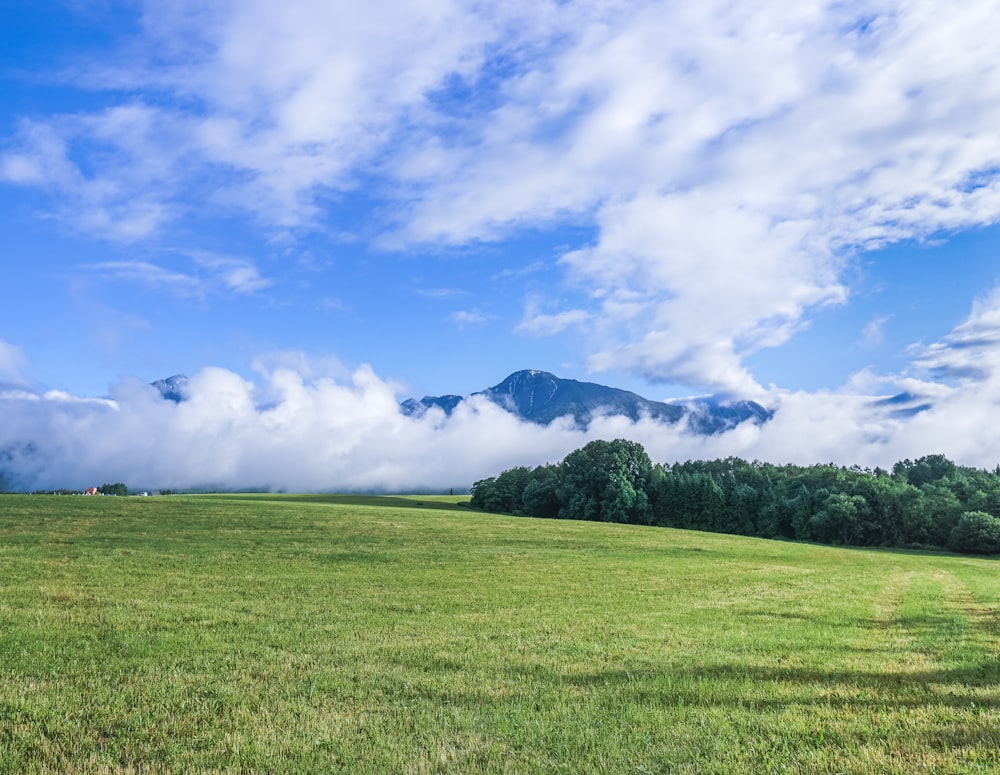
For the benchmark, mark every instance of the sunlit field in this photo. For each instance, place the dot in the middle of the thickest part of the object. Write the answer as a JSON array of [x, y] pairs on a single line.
[[392, 635]]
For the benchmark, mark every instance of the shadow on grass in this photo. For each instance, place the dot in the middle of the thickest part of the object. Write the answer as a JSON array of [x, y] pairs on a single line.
[[740, 685], [793, 685], [961, 646]]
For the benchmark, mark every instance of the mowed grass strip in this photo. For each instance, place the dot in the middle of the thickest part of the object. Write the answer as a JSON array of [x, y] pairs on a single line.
[[343, 634]]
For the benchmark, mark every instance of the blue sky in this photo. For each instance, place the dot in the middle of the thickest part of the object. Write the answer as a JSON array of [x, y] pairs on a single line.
[[796, 205]]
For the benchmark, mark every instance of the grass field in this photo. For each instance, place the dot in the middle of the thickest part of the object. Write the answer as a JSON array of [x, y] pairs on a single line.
[[391, 635]]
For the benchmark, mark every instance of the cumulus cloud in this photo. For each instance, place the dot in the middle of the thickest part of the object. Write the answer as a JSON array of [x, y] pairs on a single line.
[[310, 434]]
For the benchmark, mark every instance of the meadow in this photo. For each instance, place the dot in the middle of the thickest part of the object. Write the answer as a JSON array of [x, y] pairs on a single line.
[[257, 633]]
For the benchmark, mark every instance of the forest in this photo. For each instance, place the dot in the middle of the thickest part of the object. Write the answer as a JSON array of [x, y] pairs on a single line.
[[928, 503]]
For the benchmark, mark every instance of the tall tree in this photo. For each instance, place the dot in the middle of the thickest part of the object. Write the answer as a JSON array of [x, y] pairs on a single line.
[[976, 533], [606, 481]]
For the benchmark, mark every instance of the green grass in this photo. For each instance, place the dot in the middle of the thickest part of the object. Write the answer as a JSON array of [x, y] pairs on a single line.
[[345, 634]]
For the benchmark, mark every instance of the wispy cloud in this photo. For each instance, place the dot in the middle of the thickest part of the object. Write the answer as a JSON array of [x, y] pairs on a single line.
[[440, 293], [523, 271], [537, 322], [210, 274], [237, 275], [971, 352], [146, 273], [132, 155], [333, 304], [873, 334], [469, 317]]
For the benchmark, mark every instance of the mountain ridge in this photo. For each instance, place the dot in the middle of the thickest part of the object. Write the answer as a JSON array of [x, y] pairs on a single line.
[[541, 397]]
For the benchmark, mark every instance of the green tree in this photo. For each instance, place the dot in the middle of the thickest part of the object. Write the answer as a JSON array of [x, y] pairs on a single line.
[[929, 468], [914, 522], [606, 481], [943, 510], [709, 504], [838, 519], [976, 533], [504, 493], [113, 489], [742, 508], [541, 494], [801, 506]]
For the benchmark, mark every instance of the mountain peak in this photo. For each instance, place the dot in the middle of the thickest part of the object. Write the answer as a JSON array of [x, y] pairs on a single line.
[[531, 376], [541, 397], [172, 388]]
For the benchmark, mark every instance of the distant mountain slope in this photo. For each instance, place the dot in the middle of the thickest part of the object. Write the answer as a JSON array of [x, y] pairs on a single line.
[[904, 404], [541, 397]]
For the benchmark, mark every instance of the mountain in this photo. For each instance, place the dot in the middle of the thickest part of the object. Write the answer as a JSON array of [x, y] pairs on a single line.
[[172, 388], [904, 405], [540, 397]]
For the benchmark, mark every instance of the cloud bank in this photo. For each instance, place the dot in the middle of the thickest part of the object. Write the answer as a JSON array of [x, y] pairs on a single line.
[[311, 426], [325, 435]]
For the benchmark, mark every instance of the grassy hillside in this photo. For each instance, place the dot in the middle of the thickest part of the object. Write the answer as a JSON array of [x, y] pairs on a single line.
[[324, 634]]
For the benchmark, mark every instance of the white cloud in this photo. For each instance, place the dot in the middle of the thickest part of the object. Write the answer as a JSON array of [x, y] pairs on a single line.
[[705, 282], [236, 275], [333, 304], [733, 157], [311, 424], [873, 333], [132, 154], [970, 354], [307, 435], [539, 323], [469, 317], [211, 274], [39, 156], [300, 96], [258, 106], [440, 293], [146, 273]]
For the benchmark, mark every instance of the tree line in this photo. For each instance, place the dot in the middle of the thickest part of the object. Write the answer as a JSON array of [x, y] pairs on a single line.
[[928, 503]]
